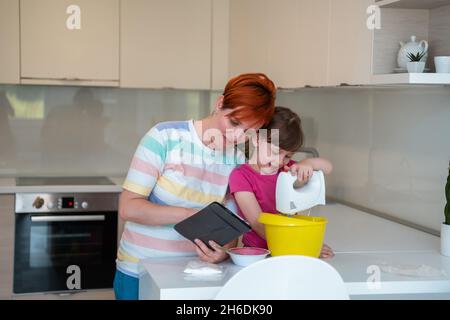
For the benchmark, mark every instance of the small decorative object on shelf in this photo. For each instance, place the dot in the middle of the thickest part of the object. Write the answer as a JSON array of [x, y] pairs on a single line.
[[411, 47], [445, 227], [415, 63], [442, 64]]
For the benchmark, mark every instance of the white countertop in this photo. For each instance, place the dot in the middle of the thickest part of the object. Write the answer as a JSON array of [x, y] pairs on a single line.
[[430, 274], [400, 273], [360, 240], [352, 230], [8, 186]]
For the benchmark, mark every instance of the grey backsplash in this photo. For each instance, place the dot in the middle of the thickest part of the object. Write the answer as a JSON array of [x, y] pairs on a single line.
[[390, 146], [50, 130]]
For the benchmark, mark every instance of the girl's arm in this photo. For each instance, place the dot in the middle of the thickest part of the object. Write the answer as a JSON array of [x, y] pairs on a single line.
[[318, 164], [251, 210], [305, 168], [136, 208]]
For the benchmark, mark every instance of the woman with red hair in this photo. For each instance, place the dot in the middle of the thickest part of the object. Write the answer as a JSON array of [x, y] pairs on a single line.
[[180, 167]]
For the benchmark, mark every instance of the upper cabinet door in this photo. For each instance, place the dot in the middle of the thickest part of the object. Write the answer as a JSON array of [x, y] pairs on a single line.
[[166, 43], [351, 43], [287, 39], [71, 40], [220, 44], [249, 37], [298, 42], [9, 41]]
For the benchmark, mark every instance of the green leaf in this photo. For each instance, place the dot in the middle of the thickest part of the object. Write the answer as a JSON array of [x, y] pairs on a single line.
[[447, 196], [416, 57]]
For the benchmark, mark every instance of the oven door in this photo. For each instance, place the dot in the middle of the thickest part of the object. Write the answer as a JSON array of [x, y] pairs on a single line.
[[61, 252]]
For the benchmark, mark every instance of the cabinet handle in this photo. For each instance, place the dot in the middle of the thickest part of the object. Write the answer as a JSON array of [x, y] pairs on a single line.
[[71, 79], [67, 218]]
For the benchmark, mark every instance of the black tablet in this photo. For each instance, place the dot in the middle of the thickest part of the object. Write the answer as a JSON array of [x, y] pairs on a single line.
[[214, 222]]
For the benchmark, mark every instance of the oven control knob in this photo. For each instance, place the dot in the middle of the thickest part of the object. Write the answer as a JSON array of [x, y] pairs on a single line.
[[50, 205], [84, 205], [38, 202]]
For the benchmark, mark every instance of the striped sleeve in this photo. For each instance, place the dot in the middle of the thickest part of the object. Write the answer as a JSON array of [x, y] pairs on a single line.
[[147, 164]]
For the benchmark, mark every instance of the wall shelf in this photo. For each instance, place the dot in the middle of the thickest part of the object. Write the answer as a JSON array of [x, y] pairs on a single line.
[[412, 4], [400, 19], [412, 78]]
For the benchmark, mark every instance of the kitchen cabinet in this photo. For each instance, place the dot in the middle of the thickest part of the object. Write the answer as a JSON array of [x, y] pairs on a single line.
[[351, 42], [98, 294], [166, 43], [9, 41], [6, 245], [298, 42], [220, 46], [287, 40], [248, 37], [70, 42]]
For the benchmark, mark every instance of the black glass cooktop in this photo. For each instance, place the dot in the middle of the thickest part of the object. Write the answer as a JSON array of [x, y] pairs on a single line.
[[62, 181]]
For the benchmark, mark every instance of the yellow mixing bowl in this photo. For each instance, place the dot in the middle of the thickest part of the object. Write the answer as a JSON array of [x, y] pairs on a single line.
[[298, 235]]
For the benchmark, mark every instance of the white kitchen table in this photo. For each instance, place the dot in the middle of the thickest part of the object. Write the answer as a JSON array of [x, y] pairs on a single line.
[[368, 248]]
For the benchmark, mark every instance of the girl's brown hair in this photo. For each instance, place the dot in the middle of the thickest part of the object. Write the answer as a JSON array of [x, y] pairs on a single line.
[[252, 98], [289, 126]]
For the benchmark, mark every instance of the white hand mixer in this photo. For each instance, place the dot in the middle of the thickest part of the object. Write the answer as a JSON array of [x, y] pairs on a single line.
[[291, 200]]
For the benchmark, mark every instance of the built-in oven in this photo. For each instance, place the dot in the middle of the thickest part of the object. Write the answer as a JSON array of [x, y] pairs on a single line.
[[64, 241]]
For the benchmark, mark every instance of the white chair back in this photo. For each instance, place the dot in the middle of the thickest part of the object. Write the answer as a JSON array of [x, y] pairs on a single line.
[[285, 278]]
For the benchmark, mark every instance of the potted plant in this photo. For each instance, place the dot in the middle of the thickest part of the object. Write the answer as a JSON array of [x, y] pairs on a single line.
[[445, 227], [415, 64]]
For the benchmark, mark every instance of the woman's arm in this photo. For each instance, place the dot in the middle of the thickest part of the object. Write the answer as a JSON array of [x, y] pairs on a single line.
[[136, 208], [251, 210], [213, 256]]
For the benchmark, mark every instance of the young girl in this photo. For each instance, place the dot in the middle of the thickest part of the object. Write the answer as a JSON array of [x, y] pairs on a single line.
[[179, 168], [253, 185]]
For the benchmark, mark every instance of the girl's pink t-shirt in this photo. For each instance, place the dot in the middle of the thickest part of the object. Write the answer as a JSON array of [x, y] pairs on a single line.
[[245, 178]]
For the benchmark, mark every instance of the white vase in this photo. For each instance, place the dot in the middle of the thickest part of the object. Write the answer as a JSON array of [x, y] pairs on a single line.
[[445, 240], [442, 64], [415, 67]]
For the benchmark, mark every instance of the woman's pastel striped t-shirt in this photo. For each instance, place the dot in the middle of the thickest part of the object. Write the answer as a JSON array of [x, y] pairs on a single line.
[[172, 166]]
